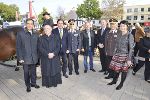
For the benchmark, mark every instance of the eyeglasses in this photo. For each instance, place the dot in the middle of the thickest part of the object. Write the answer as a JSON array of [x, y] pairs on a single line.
[[71, 24]]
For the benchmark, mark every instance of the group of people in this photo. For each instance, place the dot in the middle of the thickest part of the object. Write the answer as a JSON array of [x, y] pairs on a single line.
[[57, 48]]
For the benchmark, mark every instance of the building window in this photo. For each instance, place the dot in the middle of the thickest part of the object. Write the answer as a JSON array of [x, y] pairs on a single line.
[[129, 17], [135, 17], [148, 17], [129, 10], [142, 9], [135, 9], [142, 17], [148, 9]]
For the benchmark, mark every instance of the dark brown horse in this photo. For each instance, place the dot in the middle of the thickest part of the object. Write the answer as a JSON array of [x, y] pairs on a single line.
[[8, 42]]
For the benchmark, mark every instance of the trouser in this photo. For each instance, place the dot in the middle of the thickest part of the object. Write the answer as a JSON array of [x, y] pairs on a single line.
[[73, 57], [103, 59], [138, 65], [90, 53], [29, 74], [64, 63], [136, 48], [108, 60], [147, 69]]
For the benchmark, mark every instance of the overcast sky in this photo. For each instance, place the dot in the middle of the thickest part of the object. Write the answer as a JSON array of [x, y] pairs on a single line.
[[52, 5]]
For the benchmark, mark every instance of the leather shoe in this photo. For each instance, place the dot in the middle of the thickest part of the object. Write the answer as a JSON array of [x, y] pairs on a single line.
[[111, 83], [106, 72], [77, 73], [108, 77], [85, 71], [70, 73], [101, 71], [133, 73], [65, 75], [93, 70], [36, 86], [28, 89]]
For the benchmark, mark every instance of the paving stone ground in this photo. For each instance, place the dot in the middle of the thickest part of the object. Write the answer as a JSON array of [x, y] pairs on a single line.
[[89, 86]]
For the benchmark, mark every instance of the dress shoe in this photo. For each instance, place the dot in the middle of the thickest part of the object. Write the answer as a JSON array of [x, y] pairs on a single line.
[[85, 71], [106, 72], [70, 73], [133, 73], [148, 81], [77, 73], [93, 70], [36, 86], [119, 86], [28, 89], [101, 71], [65, 75], [111, 83], [108, 77]]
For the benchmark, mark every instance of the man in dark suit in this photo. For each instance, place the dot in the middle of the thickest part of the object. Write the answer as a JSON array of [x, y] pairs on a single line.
[[27, 53], [110, 43], [101, 33], [74, 45], [47, 19], [88, 45], [63, 34]]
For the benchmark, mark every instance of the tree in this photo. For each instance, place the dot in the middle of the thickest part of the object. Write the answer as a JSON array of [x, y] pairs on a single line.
[[113, 9], [40, 16], [8, 12], [61, 13], [89, 9]]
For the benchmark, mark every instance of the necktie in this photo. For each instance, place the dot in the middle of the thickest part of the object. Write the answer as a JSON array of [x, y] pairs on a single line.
[[102, 31], [61, 33]]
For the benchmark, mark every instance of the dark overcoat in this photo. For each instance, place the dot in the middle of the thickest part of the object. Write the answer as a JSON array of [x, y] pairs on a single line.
[[27, 47], [51, 44]]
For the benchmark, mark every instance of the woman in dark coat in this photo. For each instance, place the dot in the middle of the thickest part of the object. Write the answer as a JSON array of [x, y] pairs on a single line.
[[49, 47], [122, 55], [144, 45]]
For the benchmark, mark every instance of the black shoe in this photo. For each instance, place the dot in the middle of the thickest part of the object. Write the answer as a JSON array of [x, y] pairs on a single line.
[[119, 86], [36, 86], [133, 72], [28, 89], [101, 71], [85, 71], [93, 70], [77, 73], [108, 77], [65, 75], [106, 72], [70, 73], [111, 83], [148, 81]]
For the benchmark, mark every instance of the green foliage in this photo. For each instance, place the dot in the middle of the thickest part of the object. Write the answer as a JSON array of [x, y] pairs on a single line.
[[40, 16], [89, 9], [8, 12]]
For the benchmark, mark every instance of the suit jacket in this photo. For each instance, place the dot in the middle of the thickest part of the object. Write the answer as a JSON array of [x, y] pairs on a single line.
[[64, 40], [27, 47], [74, 41], [101, 38], [85, 41], [110, 42]]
